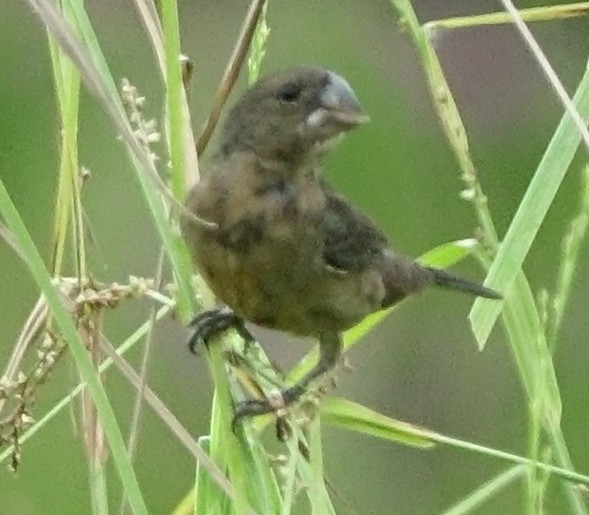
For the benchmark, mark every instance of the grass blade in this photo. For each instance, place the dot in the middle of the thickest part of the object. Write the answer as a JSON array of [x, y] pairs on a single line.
[[482, 494], [84, 364], [355, 417], [530, 214]]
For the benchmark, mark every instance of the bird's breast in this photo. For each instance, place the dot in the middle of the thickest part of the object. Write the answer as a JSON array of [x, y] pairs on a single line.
[[266, 255]]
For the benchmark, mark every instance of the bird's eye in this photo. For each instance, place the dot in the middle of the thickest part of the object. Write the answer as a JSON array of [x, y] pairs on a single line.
[[289, 93]]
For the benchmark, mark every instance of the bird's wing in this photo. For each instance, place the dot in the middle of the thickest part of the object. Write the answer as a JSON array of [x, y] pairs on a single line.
[[352, 241]]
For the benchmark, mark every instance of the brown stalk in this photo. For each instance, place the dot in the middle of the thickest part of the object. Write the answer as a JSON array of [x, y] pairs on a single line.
[[231, 73], [93, 431]]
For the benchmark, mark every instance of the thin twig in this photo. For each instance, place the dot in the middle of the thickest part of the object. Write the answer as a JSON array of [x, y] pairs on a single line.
[[547, 69], [10, 239], [169, 419], [231, 73], [31, 330], [148, 13], [135, 418]]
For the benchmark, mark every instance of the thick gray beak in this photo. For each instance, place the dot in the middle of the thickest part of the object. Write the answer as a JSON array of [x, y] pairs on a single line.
[[340, 101], [339, 109]]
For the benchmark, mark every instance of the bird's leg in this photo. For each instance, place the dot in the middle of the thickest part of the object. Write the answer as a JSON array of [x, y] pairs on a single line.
[[330, 347], [210, 323]]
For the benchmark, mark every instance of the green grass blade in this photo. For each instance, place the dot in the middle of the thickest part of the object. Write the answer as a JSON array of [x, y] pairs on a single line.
[[182, 152], [67, 86], [560, 472], [426, 438], [532, 14], [483, 493], [258, 47], [263, 482], [449, 254], [355, 417], [174, 128], [227, 449], [84, 364], [203, 484], [530, 214], [571, 249], [450, 119]]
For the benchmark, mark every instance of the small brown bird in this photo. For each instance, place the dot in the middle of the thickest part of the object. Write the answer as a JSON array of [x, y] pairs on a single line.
[[290, 253]]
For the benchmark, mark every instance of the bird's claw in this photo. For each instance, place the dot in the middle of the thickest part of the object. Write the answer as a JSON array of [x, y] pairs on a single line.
[[210, 323], [255, 407]]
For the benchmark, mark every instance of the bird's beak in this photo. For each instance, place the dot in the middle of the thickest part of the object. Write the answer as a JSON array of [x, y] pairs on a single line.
[[339, 100], [339, 109]]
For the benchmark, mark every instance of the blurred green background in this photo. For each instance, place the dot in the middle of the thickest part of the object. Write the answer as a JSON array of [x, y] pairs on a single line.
[[422, 364]]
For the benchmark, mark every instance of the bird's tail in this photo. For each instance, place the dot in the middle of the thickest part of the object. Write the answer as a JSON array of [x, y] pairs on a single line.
[[454, 282]]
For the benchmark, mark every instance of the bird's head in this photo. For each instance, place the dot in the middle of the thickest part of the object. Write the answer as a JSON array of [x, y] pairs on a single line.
[[292, 114]]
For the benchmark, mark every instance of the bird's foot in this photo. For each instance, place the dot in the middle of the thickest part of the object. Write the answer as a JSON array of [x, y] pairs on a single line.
[[274, 404], [211, 323]]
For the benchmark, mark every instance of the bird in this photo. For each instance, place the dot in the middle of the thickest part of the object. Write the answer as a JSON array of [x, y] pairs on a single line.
[[286, 251]]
